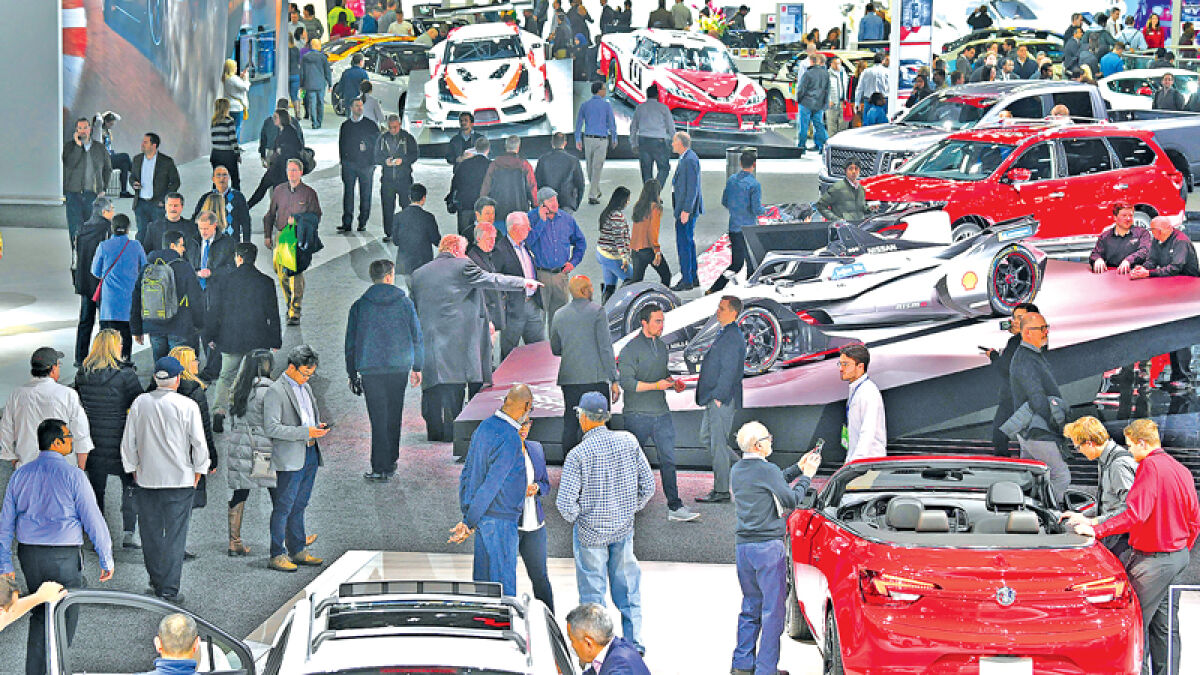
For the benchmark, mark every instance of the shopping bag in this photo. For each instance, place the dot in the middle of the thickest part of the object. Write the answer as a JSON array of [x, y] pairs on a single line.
[[285, 247]]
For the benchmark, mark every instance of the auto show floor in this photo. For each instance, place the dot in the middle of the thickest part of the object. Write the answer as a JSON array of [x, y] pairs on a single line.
[[690, 589]]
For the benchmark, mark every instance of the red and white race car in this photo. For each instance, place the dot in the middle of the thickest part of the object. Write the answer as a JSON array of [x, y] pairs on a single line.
[[696, 78], [493, 70]]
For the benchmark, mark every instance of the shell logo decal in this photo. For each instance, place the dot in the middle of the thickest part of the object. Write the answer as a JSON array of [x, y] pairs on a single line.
[[970, 280]]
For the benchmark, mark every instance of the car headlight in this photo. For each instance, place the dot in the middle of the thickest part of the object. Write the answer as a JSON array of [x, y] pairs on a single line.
[[755, 99], [444, 93], [679, 93]]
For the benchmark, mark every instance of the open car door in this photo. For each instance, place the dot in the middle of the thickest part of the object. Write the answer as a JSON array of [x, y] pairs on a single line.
[[110, 632]]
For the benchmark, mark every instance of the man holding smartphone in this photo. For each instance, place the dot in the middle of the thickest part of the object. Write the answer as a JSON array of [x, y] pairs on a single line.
[[1001, 360], [642, 367], [86, 166]]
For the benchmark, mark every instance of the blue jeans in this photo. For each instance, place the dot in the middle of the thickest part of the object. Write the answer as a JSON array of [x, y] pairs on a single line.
[[237, 124], [292, 491], [294, 87], [533, 552], [659, 429], [762, 574], [596, 567], [803, 117], [685, 245], [613, 272], [496, 553], [79, 209], [314, 105], [145, 212], [161, 344]]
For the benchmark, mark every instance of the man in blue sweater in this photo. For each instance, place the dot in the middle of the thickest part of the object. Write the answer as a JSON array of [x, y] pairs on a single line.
[[872, 26], [491, 491], [762, 493], [743, 198], [384, 353], [719, 390]]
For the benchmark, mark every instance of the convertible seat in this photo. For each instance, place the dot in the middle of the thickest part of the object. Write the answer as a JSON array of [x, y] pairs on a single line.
[[1022, 522], [1003, 498], [933, 521], [903, 513]]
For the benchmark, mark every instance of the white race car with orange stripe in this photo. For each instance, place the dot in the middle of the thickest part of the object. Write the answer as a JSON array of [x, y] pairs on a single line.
[[493, 70]]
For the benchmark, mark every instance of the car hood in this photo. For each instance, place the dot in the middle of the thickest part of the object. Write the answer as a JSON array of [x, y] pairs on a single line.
[[889, 137], [715, 85], [484, 79], [901, 188]]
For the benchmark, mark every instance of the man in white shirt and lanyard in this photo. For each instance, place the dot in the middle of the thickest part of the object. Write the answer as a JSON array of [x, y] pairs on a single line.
[[865, 433], [42, 398]]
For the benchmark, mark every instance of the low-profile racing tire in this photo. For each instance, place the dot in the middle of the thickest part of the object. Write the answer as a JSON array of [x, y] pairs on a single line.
[[832, 651], [776, 106], [1014, 278], [964, 229], [764, 339]]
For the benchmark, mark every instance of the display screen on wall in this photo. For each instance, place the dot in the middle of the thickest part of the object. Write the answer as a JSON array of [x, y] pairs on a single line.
[[790, 23]]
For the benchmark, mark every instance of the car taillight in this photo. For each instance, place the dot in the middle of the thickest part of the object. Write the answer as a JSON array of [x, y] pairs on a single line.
[[807, 318], [1106, 593], [889, 590], [1177, 180]]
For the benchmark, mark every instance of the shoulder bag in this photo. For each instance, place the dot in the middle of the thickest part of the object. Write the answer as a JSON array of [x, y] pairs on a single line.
[[96, 295]]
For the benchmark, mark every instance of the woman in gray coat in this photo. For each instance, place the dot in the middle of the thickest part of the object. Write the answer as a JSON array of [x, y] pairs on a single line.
[[246, 436]]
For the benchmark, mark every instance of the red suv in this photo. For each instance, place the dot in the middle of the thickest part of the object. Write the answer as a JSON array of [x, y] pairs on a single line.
[[1067, 176]]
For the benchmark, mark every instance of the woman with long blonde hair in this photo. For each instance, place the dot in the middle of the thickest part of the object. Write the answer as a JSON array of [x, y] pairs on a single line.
[[225, 150], [107, 385], [236, 89]]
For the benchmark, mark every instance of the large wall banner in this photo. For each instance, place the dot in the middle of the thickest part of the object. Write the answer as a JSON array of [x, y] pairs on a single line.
[[790, 23], [915, 47], [158, 64]]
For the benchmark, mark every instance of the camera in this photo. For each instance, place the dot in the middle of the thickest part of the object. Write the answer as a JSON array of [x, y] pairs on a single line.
[[1006, 325]]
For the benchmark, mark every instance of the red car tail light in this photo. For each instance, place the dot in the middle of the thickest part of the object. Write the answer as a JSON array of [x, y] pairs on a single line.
[[890, 590], [1106, 593], [807, 318]]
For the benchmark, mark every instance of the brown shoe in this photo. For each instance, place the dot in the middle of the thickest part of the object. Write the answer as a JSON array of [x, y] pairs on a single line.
[[306, 558], [308, 541], [281, 563]]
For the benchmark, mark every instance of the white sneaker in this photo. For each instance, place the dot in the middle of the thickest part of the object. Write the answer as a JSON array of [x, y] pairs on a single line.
[[682, 515]]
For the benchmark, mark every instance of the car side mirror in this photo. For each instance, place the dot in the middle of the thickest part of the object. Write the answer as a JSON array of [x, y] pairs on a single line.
[[1018, 175]]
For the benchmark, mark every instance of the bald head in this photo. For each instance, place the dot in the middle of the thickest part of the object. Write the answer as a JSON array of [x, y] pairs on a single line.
[[1034, 329], [177, 637], [1161, 228], [580, 287], [518, 403]]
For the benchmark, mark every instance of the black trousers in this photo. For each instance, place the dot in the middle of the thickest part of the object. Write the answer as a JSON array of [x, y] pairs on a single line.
[[165, 514], [121, 327], [643, 258], [212, 361], [385, 407], [63, 564], [1181, 364], [99, 480], [653, 152], [390, 192], [737, 247], [83, 332], [440, 404], [1152, 576], [360, 176], [571, 433], [1000, 441]]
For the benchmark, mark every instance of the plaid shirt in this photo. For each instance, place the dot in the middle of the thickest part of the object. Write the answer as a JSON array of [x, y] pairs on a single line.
[[605, 481]]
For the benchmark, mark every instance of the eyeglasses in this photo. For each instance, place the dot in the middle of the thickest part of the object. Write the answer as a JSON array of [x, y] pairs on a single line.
[[1041, 329], [846, 364]]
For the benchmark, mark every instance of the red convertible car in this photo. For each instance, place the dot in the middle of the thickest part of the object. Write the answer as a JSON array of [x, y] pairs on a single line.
[[954, 565]]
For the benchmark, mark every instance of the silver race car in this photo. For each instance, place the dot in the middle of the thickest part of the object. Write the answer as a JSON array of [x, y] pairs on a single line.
[[897, 269]]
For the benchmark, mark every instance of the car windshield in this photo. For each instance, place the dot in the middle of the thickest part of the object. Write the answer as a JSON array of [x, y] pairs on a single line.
[[949, 110], [1012, 9], [704, 59], [339, 47], [486, 50], [956, 478], [958, 160]]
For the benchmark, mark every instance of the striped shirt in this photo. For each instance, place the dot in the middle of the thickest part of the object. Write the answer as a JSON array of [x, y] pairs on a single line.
[[224, 135], [605, 481], [614, 236]]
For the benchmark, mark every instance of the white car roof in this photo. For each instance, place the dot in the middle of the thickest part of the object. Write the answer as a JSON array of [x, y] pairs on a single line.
[[482, 31], [1147, 72]]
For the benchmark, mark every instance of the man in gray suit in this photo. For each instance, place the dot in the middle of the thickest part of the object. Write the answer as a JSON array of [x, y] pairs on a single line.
[[448, 293], [293, 423], [579, 334]]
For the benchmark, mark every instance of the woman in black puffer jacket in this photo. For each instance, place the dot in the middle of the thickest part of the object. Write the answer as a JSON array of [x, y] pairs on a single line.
[[107, 386]]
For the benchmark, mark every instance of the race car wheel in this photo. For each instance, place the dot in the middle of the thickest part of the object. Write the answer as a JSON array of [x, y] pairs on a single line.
[[1013, 280], [964, 229], [611, 77], [832, 651], [764, 339], [663, 300], [776, 106]]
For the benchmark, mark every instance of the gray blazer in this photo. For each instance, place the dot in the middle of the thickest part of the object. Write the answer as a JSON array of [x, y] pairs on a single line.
[[449, 295], [281, 423], [579, 334]]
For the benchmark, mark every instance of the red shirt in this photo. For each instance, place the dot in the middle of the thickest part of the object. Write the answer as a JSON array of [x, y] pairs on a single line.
[[340, 31], [1154, 38], [1162, 513]]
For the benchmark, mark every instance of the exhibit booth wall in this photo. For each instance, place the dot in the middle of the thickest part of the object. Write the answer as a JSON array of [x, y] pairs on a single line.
[[157, 64]]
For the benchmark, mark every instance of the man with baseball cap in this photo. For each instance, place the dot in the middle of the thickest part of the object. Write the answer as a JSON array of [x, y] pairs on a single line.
[[557, 245], [38, 399], [164, 448], [605, 481]]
